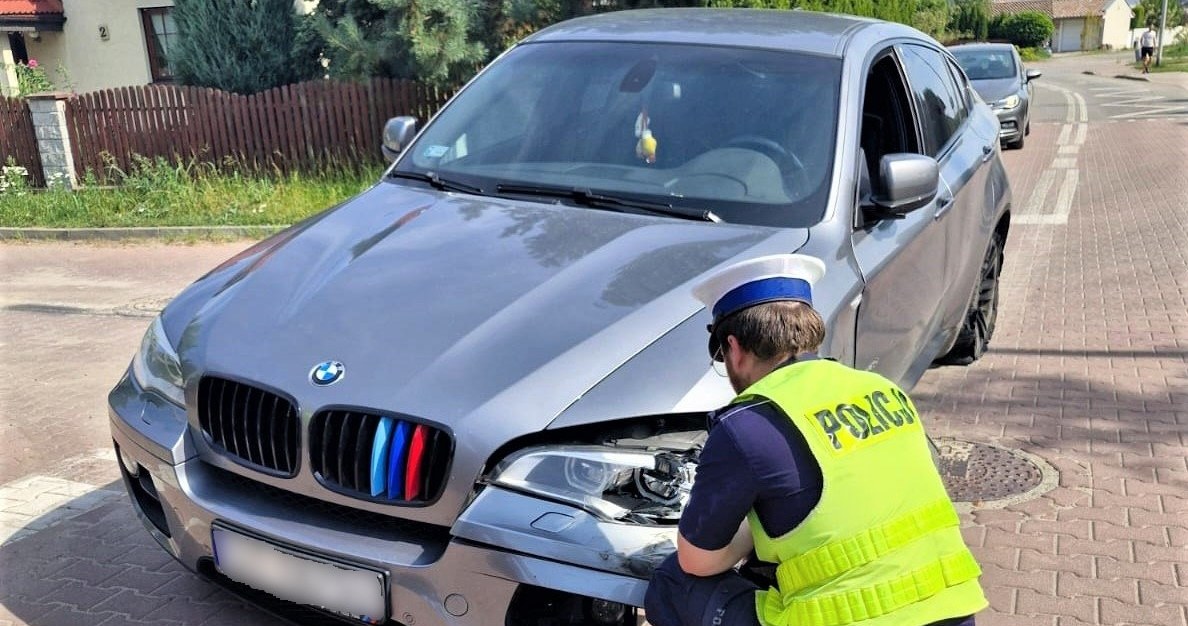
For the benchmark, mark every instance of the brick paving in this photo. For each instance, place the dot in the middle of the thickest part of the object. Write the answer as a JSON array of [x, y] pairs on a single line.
[[1088, 370]]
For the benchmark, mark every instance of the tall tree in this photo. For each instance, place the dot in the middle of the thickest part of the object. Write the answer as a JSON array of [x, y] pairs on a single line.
[[242, 46], [434, 41]]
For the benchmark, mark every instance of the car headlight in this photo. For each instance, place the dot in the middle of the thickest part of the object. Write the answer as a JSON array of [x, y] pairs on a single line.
[[156, 367], [1009, 102], [641, 486]]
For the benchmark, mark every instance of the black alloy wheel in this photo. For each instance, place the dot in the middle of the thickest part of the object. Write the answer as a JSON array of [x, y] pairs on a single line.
[[980, 318]]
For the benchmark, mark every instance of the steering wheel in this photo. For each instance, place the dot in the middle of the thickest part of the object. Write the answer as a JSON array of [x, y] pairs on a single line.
[[795, 176]]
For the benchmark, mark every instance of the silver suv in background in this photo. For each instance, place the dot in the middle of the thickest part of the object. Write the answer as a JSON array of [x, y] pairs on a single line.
[[997, 74], [475, 393]]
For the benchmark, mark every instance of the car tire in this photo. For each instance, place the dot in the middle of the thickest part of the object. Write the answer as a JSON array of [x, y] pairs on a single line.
[[982, 313]]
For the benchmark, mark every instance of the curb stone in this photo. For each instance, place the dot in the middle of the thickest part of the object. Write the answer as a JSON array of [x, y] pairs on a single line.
[[136, 232], [1127, 77]]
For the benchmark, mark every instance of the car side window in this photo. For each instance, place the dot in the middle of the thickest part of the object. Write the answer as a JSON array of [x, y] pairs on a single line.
[[965, 91], [887, 123], [940, 106]]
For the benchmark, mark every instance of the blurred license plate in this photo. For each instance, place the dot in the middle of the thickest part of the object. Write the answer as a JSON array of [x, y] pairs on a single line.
[[299, 577]]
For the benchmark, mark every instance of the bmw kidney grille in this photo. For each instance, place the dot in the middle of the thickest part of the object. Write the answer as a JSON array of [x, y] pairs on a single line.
[[255, 427], [379, 458]]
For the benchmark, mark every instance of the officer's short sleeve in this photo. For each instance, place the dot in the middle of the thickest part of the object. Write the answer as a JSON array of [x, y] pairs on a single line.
[[723, 492]]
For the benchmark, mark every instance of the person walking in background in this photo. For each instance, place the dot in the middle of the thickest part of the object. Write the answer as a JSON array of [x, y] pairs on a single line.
[[1148, 40]]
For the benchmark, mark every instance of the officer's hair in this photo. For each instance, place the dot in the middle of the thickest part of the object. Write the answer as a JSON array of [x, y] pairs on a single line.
[[775, 328]]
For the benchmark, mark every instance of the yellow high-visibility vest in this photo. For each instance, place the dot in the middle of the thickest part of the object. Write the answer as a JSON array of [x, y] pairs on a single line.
[[883, 545]]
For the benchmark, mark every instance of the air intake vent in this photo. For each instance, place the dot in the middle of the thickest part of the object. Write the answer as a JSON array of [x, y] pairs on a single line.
[[379, 458], [255, 427]]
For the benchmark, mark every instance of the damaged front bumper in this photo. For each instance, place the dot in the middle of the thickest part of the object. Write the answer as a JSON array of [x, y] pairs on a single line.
[[504, 553]]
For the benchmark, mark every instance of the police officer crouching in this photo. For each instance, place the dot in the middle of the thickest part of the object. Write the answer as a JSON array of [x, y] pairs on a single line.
[[820, 469]]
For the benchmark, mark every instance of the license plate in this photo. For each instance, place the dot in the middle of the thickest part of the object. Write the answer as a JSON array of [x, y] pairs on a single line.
[[300, 577]]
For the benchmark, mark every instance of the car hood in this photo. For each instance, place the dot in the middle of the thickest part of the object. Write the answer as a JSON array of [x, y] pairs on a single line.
[[486, 316], [993, 90]]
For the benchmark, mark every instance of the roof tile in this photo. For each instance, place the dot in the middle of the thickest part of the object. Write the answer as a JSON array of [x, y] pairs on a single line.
[[30, 7]]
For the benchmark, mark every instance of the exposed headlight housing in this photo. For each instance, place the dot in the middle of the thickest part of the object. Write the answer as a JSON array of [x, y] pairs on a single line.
[[640, 486], [156, 366], [1009, 102]]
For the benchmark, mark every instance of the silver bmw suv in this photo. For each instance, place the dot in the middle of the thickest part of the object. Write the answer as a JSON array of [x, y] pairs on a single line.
[[475, 393]]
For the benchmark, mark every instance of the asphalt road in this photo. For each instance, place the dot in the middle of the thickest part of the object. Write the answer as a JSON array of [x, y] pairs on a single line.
[[1089, 370]]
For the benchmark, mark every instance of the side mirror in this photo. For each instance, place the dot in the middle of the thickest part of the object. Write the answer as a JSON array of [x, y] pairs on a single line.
[[908, 181], [1033, 74], [398, 132]]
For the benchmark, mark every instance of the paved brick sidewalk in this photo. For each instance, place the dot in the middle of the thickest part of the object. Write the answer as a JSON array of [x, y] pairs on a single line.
[[1088, 370]]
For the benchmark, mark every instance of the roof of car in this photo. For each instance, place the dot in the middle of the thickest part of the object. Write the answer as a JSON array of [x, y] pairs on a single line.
[[793, 30], [974, 47]]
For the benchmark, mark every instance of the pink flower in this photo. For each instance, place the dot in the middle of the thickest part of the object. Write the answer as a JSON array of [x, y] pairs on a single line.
[[32, 63]]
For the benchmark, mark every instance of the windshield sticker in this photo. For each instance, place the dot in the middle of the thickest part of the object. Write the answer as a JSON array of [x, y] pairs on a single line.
[[435, 152]]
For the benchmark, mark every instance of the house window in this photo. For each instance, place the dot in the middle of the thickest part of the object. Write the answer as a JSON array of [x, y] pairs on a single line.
[[160, 35]]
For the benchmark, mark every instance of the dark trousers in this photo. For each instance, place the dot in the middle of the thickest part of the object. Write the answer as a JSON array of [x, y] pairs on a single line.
[[675, 598]]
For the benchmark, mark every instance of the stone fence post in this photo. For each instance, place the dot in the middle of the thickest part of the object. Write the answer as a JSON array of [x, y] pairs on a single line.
[[53, 138]]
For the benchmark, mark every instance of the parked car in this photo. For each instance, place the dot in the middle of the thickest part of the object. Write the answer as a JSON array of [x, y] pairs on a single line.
[[997, 74], [475, 393]]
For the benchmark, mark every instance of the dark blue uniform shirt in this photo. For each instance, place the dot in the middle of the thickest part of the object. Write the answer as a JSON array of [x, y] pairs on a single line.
[[753, 458]]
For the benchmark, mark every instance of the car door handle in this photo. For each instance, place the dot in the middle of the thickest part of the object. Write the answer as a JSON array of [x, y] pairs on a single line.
[[987, 152], [943, 204]]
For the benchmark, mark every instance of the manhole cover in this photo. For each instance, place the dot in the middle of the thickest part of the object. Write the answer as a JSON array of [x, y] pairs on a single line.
[[974, 472], [146, 307]]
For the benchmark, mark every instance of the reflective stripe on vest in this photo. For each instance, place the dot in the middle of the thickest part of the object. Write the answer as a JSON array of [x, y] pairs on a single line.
[[885, 597], [853, 552]]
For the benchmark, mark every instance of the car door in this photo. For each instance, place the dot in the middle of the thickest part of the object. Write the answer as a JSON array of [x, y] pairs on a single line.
[[956, 141], [901, 259]]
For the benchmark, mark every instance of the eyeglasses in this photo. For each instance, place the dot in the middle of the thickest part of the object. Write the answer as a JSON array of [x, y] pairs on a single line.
[[719, 362], [715, 344], [717, 351]]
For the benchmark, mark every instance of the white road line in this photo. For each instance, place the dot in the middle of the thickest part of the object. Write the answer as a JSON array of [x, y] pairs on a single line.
[[1035, 204], [1068, 150], [1071, 112], [1064, 197], [1065, 133], [1048, 220], [1082, 130], [1083, 114], [1065, 164]]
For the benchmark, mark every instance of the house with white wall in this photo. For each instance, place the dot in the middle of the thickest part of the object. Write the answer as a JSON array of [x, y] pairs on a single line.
[[1080, 24], [96, 44]]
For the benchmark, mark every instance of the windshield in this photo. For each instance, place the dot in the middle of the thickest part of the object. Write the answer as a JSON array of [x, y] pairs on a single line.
[[746, 134], [987, 64]]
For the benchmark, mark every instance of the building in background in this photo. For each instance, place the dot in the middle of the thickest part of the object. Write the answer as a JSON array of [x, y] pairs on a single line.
[[1080, 24], [85, 45]]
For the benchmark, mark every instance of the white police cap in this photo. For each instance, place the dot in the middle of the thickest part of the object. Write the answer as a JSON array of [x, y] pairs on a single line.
[[765, 279]]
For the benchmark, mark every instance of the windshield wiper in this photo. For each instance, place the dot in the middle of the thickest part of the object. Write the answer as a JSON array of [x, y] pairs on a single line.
[[585, 197], [437, 182]]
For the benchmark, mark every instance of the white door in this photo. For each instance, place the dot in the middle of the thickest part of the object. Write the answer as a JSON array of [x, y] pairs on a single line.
[[1070, 34]]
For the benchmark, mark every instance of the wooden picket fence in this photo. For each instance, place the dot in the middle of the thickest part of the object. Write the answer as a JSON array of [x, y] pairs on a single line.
[[303, 127], [17, 139]]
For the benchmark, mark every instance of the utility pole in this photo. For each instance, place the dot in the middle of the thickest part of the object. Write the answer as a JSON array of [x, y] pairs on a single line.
[[1162, 29]]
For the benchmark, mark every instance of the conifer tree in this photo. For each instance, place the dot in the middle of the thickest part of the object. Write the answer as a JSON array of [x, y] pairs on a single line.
[[244, 46]]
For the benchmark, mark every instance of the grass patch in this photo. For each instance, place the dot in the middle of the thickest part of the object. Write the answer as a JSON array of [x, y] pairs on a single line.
[[156, 192], [1034, 54]]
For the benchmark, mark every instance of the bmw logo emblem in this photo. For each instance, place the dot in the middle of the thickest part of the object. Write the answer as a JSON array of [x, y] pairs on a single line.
[[327, 373]]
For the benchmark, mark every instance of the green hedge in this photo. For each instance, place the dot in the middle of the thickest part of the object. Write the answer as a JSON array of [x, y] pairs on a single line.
[[1028, 29]]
